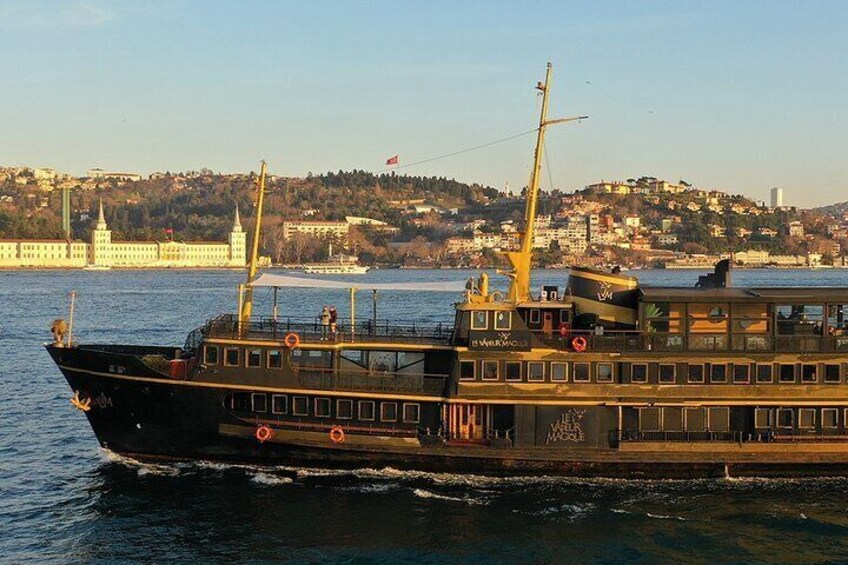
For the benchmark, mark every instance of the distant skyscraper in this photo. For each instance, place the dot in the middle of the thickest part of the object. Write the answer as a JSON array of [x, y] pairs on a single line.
[[776, 197]]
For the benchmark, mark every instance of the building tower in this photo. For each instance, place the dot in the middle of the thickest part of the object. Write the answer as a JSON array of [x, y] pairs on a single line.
[[101, 241], [66, 212], [238, 243], [777, 197]]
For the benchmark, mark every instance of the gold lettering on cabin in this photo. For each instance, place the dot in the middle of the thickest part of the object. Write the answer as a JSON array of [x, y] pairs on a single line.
[[606, 292], [567, 428]]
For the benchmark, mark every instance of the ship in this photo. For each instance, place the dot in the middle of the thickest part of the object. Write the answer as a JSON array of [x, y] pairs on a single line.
[[600, 376], [339, 264]]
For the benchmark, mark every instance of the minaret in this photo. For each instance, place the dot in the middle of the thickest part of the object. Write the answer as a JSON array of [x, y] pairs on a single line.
[[238, 243], [101, 241], [101, 219]]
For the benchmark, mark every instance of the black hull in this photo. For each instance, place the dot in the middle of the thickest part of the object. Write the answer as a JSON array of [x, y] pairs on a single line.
[[152, 419]]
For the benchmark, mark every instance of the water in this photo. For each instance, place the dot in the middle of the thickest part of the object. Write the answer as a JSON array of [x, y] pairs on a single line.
[[63, 500]]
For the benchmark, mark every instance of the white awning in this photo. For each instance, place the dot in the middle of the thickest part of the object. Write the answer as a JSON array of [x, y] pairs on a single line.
[[271, 280]]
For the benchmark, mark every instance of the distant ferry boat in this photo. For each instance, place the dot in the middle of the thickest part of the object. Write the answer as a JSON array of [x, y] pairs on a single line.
[[340, 264]]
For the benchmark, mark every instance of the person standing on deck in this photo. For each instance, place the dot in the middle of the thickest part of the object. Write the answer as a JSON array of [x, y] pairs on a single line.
[[334, 319], [325, 323]]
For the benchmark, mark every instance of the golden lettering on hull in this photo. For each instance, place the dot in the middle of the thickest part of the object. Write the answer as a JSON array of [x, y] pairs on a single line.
[[568, 428]]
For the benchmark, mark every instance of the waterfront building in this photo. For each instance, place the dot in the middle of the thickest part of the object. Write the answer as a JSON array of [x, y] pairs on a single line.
[[776, 197], [316, 228]]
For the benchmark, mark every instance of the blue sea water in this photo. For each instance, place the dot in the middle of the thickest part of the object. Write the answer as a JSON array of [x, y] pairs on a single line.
[[64, 500]]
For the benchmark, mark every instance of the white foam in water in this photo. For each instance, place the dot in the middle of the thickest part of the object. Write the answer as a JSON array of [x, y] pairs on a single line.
[[270, 480], [421, 493], [143, 469], [665, 517]]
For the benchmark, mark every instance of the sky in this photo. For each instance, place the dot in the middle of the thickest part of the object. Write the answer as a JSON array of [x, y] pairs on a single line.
[[738, 96]]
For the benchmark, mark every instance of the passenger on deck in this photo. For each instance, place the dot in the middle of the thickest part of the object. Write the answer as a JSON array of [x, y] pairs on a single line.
[[325, 323], [334, 319]]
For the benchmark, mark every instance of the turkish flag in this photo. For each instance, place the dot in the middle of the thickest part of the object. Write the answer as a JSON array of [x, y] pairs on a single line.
[[392, 160]]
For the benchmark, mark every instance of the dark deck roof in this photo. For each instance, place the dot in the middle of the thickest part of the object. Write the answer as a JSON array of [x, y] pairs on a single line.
[[739, 294]]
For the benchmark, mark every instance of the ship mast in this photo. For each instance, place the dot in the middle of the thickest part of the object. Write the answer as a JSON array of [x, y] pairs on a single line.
[[247, 303], [521, 260]]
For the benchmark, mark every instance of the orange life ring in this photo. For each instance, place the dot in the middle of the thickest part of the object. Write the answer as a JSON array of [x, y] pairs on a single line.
[[579, 343], [564, 330], [263, 433], [337, 434], [291, 340]]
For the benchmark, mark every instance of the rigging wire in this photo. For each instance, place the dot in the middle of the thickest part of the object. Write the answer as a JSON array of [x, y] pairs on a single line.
[[460, 152], [548, 166]]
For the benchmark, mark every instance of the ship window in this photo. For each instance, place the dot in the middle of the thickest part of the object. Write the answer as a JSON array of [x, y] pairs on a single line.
[[831, 373], [411, 413], [240, 402], [479, 320], [300, 406], [512, 371], [535, 316], [210, 354], [664, 317], [535, 372], [695, 373], [603, 372], [806, 418], [366, 410], [741, 373], [388, 411], [750, 318], [559, 372], [800, 319], [707, 318], [829, 418], [490, 370], [231, 357], [719, 419], [564, 316], [581, 372], [765, 373], [718, 373], [254, 358], [809, 373], [503, 320], [649, 419], [668, 373], [275, 359], [259, 402], [673, 419], [322, 407], [786, 418], [639, 373], [696, 419], [787, 373], [355, 355], [837, 319], [344, 409], [467, 371], [316, 358], [762, 418], [279, 404]]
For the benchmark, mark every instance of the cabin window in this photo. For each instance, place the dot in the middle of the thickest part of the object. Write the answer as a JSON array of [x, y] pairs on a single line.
[[751, 318], [355, 355], [490, 370], [322, 407], [649, 419], [512, 371], [258, 402], [695, 374], [366, 410], [467, 371], [231, 356], [535, 372], [312, 358], [664, 317], [786, 418], [388, 411], [210, 354], [300, 406], [762, 417], [254, 357], [800, 319], [719, 419], [411, 413], [696, 419], [673, 419], [831, 373], [806, 418], [279, 404], [503, 321], [535, 316], [639, 373], [787, 373], [718, 373], [741, 373], [581, 372], [559, 372], [707, 318], [479, 320], [275, 359], [344, 409], [809, 373], [240, 402], [603, 372], [668, 373], [765, 373], [564, 316], [837, 320], [829, 418]]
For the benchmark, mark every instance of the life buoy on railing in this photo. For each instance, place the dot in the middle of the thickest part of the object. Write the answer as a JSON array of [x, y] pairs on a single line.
[[564, 330], [263, 433], [579, 343], [337, 434], [291, 340]]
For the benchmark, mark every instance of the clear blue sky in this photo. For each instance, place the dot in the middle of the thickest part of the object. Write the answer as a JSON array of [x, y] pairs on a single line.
[[740, 96]]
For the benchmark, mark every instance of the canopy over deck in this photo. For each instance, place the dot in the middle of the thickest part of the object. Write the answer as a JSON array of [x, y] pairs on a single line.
[[280, 281]]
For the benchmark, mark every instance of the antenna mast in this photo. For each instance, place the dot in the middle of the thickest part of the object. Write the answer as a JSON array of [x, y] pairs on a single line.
[[247, 303]]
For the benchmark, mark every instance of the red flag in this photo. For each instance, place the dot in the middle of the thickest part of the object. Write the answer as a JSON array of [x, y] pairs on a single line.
[[392, 160], [169, 230]]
